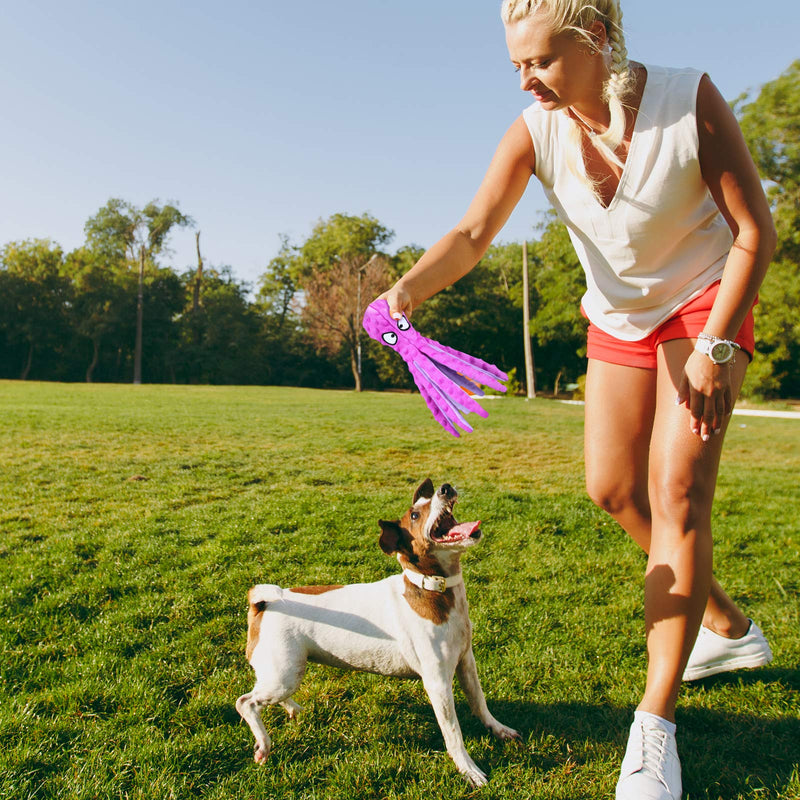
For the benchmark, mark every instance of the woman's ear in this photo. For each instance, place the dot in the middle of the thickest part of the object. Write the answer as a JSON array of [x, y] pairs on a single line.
[[598, 36]]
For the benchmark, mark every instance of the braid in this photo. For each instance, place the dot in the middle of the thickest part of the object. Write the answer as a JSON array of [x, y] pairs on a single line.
[[619, 83]]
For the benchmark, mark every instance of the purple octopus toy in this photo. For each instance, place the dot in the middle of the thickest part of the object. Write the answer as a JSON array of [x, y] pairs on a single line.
[[445, 377]]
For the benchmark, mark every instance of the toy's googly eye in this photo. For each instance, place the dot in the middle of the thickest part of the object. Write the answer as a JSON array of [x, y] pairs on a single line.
[[390, 338], [403, 324]]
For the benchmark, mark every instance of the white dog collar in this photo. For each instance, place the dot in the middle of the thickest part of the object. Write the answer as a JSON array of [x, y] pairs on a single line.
[[434, 583]]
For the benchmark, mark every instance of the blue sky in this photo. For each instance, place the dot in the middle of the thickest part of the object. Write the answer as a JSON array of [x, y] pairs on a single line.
[[260, 118]]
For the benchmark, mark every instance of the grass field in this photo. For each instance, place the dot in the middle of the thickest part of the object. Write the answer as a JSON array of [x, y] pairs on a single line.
[[134, 519]]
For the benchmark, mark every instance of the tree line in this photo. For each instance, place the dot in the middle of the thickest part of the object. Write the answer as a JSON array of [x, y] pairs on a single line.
[[112, 310]]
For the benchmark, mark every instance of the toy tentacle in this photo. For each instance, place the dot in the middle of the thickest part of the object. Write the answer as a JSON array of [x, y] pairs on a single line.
[[441, 408], [473, 368], [455, 403], [455, 393], [459, 379]]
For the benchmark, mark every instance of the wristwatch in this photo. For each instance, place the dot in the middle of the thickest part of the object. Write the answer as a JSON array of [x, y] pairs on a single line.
[[720, 351]]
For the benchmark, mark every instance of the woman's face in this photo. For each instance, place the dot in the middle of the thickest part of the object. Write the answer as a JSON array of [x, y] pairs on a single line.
[[558, 69]]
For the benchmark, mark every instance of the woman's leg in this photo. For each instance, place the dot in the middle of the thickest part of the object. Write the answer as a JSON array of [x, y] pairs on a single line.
[[620, 410], [682, 479]]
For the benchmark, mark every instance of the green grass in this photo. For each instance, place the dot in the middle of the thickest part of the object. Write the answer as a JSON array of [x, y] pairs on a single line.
[[134, 519]]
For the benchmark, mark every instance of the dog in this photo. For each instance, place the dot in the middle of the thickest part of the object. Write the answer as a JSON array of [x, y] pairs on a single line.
[[415, 624]]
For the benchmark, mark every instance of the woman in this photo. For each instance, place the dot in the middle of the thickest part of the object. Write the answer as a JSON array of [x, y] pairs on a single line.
[[648, 169]]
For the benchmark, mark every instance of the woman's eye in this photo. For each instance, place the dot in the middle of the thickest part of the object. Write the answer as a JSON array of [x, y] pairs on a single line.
[[403, 324]]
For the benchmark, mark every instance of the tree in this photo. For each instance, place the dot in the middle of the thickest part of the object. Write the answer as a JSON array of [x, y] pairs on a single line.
[[36, 300], [122, 232], [102, 309], [220, 336], [557, 323], [340, 269], [771, 127]]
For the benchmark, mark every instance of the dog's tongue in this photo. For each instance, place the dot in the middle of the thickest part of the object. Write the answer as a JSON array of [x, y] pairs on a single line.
[[463, 530]]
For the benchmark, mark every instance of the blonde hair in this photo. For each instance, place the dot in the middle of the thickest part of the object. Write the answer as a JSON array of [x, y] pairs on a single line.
[[578, 16]]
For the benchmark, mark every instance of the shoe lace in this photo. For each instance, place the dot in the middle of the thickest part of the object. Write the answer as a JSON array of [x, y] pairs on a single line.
[[654, 752]]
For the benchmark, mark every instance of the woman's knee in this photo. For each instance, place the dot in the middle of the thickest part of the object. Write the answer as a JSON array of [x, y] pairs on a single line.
[[617, 496], [683, 501]]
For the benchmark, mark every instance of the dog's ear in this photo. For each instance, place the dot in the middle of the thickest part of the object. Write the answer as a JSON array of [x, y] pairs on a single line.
[[391, 536], [425, 489]]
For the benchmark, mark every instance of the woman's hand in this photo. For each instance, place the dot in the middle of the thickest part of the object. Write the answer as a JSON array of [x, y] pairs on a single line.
[[399, 301], [705, 389]]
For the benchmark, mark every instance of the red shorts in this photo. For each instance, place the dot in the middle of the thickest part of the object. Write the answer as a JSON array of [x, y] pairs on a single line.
[[686, 323]]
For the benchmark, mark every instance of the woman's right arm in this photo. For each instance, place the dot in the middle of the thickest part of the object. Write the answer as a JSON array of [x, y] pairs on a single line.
[[459, 251]]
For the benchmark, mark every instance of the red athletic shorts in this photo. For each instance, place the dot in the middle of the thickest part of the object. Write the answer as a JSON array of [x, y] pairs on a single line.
[[686, 323]]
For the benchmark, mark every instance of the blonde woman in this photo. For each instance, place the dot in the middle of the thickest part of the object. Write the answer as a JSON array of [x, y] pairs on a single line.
[[649, 171]]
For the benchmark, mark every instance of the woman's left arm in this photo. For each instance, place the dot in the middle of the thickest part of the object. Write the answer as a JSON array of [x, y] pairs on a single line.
[[734, 183]]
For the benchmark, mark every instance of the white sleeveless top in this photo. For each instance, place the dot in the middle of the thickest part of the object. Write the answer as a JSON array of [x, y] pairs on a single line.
[[662, 239]]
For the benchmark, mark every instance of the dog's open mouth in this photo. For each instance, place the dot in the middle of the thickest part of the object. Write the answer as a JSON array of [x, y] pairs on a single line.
[[447, 530]]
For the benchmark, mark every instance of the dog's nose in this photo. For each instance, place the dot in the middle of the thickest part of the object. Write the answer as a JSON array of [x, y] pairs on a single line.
[[447, 491]]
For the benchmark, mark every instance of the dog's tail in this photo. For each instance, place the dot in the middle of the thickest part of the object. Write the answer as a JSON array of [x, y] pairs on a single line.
[[260, 596]]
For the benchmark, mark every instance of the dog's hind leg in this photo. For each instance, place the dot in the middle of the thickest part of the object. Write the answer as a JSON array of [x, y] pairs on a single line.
[[249, 707], [470, 684], [275, 684]]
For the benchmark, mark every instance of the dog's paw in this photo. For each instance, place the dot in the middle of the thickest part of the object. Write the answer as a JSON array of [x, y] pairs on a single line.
[[503, 731], [260, 753], [475, 776]]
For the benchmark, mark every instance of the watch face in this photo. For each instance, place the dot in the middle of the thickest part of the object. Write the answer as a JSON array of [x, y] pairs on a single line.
[[721, 352]]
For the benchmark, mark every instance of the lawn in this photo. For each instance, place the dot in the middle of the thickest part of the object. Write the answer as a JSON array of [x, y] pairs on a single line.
[[134, 519]]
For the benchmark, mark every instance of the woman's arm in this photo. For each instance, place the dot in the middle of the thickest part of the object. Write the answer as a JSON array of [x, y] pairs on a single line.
[[459, 251], [734, 183], [732, 179]]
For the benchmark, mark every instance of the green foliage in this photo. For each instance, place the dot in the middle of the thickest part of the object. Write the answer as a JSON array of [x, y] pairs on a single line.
[[35, 302], [557, 325], [120, 230], [340, 239], [134, 520], [771, 126]]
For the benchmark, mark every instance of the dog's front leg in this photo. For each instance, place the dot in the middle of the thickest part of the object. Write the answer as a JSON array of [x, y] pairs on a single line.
[[470, 684], [440, 693]]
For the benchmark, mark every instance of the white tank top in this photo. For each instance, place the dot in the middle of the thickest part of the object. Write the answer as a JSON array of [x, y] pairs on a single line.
[[662, 239]]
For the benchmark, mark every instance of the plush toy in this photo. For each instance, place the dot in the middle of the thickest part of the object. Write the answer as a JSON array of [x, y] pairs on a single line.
[[445, 377]]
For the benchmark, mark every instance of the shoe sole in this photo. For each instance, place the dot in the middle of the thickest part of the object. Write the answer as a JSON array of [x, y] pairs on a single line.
[[742, 662]]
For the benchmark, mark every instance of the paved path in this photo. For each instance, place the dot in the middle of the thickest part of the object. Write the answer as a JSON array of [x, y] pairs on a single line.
[[743, 412]]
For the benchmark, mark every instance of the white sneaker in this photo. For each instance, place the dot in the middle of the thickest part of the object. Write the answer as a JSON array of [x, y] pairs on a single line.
[[651, 769], [713, 653]]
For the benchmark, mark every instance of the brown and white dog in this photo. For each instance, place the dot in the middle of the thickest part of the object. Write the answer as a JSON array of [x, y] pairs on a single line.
[[411, 625]]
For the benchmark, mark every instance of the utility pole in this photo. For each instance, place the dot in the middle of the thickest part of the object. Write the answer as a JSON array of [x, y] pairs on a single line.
[[526, 322], [137, 353], [198, 277]]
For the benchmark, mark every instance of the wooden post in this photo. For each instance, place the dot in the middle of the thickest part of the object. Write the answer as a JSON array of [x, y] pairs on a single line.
[[526, 322], [137, 353], [198, 278]]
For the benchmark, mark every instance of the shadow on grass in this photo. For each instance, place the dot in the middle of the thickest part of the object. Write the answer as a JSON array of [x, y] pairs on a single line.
[[723, 754]]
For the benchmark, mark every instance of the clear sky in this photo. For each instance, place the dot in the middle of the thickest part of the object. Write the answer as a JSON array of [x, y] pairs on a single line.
[[259, 118]]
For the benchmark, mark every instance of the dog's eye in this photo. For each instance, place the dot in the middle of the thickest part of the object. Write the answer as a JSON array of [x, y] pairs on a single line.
[[415, 515], [403, 324], [390, 338]]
